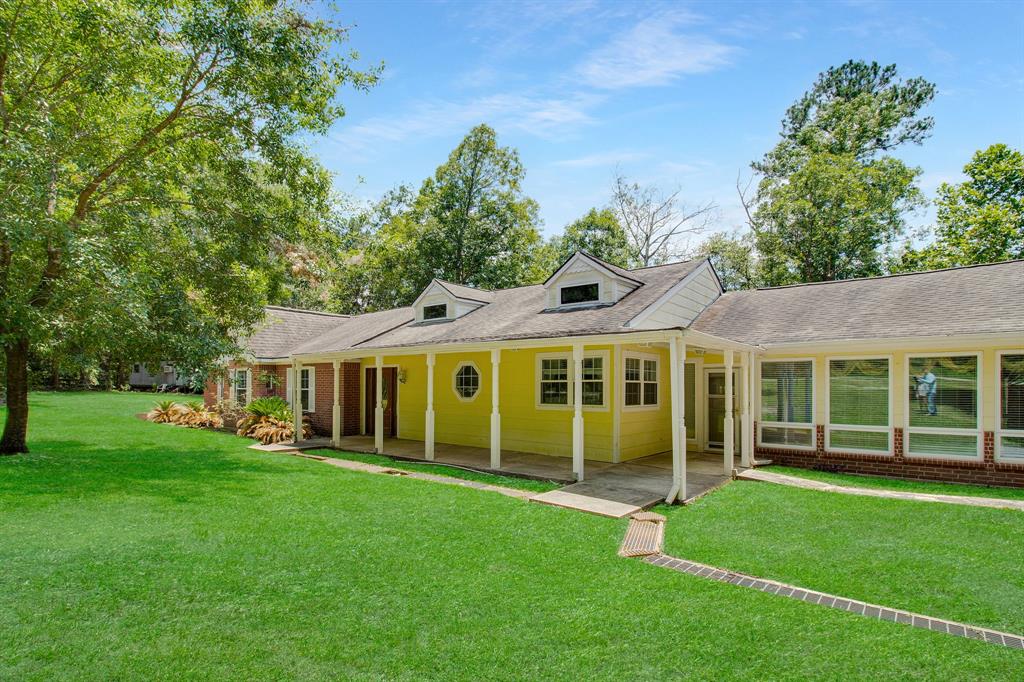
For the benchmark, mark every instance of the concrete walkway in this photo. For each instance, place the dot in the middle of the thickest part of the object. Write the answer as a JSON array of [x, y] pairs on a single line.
[[810, 484]]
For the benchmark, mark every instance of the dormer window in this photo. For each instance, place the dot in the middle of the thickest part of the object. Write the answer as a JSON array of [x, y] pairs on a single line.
[[580, 293], [435, 312]]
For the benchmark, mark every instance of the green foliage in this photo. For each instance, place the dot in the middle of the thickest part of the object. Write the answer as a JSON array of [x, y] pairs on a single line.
[[732, 256], [829, 203], [152, 178], [980, 220], [270, 406], [600, 234], [470, 223]]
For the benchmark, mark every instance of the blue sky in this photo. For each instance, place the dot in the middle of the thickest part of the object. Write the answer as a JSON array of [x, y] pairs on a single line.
[[683, 95]]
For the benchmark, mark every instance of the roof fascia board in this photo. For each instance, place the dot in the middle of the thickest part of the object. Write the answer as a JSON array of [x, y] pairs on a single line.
[[900, 343], [465, 299], [676, 288], [646, 336]]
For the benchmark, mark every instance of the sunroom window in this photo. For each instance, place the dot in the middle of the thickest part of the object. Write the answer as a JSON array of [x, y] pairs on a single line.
[[942, 406], [787, 403], [1011, 406], [858, 405], [581, 293]]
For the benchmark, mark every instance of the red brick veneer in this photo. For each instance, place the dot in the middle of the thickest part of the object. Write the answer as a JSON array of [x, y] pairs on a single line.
[[985, 472]]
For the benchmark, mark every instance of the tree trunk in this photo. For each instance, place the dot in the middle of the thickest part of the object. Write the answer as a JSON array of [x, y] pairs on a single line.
[[16, 426], [55, 375]]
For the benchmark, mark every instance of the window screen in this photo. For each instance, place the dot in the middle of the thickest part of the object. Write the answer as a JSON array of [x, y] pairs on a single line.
[[1011, 406], [593, 381], [943, 394], [690, 398], [435, 312], [583, 293], [787, 397], [858, 396], [554, 381]]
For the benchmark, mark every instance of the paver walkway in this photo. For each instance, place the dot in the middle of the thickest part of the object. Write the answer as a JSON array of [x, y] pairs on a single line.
[[810, 484]]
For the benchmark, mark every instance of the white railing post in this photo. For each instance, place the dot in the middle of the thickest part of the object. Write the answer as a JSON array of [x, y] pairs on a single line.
[[495, 414], [428, 428], [336, 412], [577, 419], [378, 412], [730, 424]]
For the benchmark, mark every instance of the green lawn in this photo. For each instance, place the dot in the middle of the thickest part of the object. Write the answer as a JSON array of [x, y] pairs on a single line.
[[903, 486], [143, 551], [960, 563]]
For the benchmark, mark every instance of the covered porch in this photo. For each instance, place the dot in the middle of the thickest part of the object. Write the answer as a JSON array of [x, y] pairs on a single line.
[[642, 482], [633, 416]]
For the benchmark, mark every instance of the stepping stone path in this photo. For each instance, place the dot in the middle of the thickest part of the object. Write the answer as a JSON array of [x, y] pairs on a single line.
[[811, 484]]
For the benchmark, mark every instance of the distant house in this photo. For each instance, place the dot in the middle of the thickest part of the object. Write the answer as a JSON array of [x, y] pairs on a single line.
[[918, 375], [166, 377]]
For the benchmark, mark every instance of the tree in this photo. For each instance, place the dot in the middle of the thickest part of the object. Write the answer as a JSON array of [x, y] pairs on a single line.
[[732, 256], [478, 228], [980, 220], [149, 173], [600, 234], [829, 202], [655, 222]]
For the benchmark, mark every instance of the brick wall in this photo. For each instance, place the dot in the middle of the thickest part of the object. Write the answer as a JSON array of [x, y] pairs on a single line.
[[984, 472]]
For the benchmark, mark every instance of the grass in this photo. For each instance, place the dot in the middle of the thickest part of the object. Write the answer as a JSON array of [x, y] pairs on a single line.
[[136, 550], [901, 485], [441, 470], [949, 561]]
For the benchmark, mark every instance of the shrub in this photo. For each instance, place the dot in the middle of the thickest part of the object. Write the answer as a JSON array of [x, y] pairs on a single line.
[[270, 420], [165, 412]]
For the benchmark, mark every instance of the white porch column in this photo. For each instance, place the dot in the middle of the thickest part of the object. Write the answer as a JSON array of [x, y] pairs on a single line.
[[677, 407], [428, 430], [730, 424], [336, 413], [297, 401], [378, 412], [614, 375], [752, 396], [495, 414], [746, 453], [577, 419]]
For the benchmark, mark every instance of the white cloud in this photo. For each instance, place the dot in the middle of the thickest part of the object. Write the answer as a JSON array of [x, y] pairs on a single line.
[[602, 159], [652, 52], [545, 117]]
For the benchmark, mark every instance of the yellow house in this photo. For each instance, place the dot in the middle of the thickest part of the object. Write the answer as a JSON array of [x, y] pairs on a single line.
[[653, 376]]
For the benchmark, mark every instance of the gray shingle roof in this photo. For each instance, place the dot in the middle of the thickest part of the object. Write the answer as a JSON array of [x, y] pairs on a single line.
[[285, 328], [982, 299], [468, 293], [518, 313]]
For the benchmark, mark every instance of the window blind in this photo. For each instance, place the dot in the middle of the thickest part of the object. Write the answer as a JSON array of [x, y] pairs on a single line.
[[1011, 406], [787, 392], [858, 397], [943, 394]]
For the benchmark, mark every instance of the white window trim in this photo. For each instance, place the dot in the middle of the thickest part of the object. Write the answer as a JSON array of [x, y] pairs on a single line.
[[570, 378], [1000, 432], [447, 312], [455, 374], [582, 304], [248, 385], [829, 426], [659, 382], [977, 431], [812, 426]]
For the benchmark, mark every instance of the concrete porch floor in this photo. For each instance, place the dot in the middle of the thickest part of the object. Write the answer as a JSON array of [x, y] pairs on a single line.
[[642, 482]]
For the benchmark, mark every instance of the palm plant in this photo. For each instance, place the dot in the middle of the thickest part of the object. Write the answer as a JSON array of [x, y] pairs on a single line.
[[270, 420], [165, 412]]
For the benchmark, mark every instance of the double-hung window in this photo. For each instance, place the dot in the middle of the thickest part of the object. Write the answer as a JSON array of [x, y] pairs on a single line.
[[555, 380], [640, 381], [859, 405], [240, 386], [1010, 439], [787, 403], [307, 388], [942, 406]]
